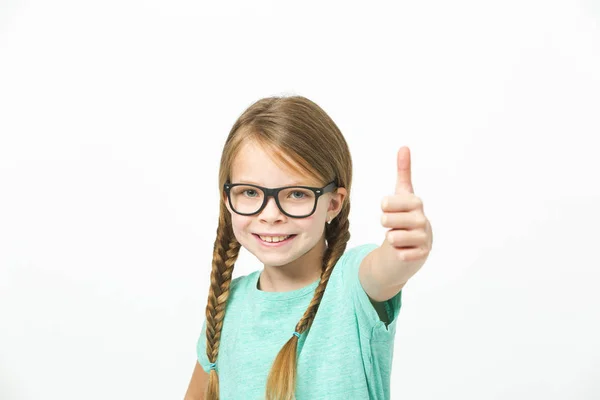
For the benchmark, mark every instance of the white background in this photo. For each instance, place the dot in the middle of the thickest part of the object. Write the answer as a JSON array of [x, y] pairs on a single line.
[[113, 115]]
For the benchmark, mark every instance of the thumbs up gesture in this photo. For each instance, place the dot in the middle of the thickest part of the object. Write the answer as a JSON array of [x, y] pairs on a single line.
[[408, 241]]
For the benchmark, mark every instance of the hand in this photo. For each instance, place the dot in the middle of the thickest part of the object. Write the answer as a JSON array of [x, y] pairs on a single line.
[[409, 240]]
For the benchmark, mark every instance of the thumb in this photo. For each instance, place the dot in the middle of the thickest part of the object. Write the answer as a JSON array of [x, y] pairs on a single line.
[[404, 181]]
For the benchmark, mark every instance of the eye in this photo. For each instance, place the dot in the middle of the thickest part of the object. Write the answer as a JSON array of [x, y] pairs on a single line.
[[249, 193], [301, 195]]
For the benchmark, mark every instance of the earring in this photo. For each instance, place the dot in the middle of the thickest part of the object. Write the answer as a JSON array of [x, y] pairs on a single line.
[[329, 222]]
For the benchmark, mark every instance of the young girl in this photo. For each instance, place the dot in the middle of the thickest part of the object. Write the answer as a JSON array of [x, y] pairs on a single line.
[[318, 321]]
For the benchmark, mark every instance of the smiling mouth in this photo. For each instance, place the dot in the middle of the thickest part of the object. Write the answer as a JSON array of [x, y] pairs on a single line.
[[273, 239]]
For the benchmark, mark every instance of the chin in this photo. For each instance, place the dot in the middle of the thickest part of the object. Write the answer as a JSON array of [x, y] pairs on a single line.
[[274, 259]]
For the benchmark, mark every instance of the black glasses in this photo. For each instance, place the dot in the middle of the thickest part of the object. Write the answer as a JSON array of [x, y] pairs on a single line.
[[293, 201]]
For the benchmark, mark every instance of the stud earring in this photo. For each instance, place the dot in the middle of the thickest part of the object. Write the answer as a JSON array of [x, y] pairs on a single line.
[[329, 222]]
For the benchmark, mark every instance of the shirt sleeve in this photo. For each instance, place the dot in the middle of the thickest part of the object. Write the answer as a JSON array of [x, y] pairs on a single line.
[[201, 349], [368, 320]]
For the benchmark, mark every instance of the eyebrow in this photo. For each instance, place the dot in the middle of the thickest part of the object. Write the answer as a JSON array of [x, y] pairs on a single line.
[[258, 184]]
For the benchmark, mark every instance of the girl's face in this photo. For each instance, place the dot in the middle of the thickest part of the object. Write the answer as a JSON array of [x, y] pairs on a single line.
[[253, 165]]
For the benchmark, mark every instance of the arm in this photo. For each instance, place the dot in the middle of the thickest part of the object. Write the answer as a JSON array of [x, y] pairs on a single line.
[[374, 283], [385, 270], [198, 384], [383, 275]]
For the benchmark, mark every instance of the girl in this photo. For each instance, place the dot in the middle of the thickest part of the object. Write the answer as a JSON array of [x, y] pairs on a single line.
[[317, 322]]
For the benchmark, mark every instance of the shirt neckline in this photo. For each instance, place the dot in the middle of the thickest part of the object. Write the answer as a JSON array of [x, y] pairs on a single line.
[[280, 296]]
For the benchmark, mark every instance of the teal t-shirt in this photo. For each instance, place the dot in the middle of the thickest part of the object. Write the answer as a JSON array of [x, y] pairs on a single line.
[[346, 354]]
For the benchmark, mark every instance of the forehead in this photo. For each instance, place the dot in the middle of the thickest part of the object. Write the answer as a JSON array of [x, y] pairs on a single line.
[[259, 165]]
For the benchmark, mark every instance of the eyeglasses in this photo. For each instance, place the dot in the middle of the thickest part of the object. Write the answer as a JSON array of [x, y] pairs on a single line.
[[293, 201]]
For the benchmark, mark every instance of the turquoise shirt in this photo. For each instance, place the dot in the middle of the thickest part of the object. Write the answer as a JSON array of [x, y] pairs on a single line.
[[345, 355]]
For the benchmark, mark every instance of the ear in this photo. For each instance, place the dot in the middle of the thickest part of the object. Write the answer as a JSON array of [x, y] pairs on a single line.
[[337, 201]]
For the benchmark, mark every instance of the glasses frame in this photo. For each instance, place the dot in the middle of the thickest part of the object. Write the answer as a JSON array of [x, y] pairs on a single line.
[[274, 192]]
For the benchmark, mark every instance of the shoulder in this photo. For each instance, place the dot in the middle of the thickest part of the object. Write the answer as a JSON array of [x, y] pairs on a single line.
[[242, 283], [238, 289], [353, 256], [361, 249], [377, 319], [349, 263]]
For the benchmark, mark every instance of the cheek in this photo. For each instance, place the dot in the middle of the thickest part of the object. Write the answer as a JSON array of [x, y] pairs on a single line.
[[322, 207], [312, 225], [239, 225], [320, 215]]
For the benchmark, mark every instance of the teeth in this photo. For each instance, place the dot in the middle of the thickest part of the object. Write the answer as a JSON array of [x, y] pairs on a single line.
[[274, 239]]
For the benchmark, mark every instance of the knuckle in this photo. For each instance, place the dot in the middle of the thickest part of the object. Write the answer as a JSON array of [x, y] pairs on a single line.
[[420, 221], [385, 202], [390, 237], [418, 201], [400, 255]]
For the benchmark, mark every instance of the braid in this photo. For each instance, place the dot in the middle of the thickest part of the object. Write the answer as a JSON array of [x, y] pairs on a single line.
[[281, 382], [225, 253], [337, 236]]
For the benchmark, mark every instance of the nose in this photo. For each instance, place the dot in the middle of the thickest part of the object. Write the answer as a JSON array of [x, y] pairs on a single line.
[[271, 213]]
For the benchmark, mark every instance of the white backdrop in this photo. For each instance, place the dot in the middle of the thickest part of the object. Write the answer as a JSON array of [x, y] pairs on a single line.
[[113, 115]]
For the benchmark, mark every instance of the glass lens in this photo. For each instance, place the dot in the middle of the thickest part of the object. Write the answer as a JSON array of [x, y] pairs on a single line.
[[295, 201], [246, 199]]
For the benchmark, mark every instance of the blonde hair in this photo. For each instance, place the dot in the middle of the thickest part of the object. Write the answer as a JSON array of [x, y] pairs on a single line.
[[300, 129]]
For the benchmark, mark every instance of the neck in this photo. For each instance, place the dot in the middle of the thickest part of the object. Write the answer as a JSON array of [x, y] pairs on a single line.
[[295, 275]]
